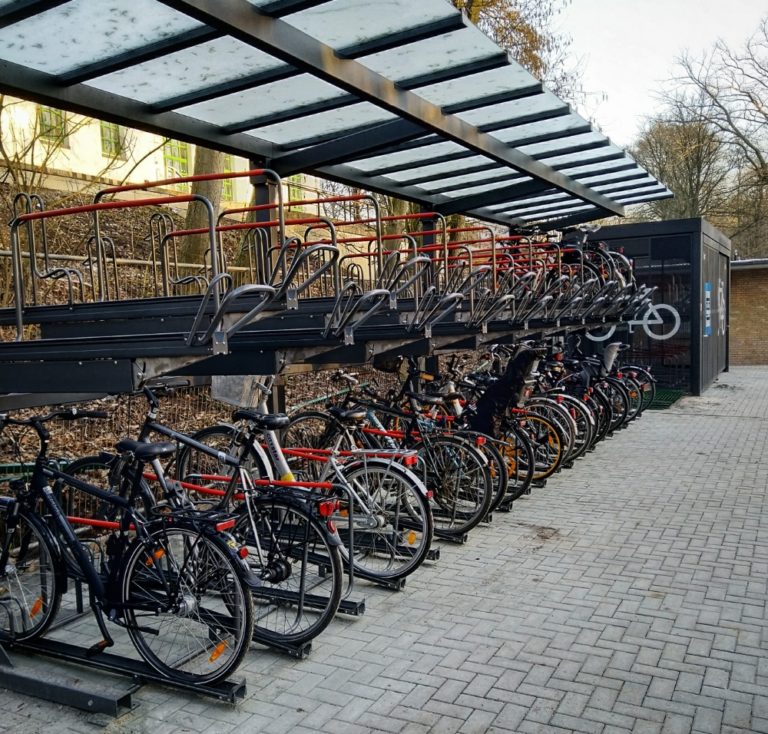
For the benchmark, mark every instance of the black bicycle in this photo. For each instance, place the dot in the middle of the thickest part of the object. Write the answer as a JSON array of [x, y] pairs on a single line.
[[175, 581]]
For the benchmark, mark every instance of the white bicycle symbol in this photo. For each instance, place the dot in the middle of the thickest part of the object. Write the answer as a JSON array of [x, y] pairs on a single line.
[[654, 316]]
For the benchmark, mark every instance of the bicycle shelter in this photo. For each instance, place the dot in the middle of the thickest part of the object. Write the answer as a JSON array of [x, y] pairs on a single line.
[[415, 102], [404, 99]]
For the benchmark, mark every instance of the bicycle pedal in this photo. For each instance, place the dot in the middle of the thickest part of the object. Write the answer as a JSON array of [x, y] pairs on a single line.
[[99, 647]]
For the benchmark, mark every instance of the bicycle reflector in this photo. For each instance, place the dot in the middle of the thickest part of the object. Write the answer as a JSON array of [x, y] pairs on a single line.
[[479, 440], [326, 508], [243, 552], [225, 525], [410, 460]]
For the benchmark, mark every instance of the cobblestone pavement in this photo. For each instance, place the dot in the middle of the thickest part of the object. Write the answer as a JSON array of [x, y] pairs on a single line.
[[626, 596]]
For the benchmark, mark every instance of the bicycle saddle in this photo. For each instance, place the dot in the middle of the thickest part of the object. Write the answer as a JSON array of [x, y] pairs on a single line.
[[263, 421], [426, 399], [146, 451], [348, 415]]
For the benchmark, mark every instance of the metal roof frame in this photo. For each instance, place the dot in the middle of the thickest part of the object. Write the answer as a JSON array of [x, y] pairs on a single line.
[[410, 117]]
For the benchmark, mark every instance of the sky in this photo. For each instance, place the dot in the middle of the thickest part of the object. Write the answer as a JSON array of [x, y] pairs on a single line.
[[626, 49]]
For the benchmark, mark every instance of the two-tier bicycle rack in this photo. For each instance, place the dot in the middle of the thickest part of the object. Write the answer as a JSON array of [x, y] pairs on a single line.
[[475, 135]]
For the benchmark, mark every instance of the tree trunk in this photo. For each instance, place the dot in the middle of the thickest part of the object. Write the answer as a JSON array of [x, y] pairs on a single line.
[[193, 248]]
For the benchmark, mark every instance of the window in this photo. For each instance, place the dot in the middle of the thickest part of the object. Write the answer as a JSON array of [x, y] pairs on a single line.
[[294, 190], [228, 184], [53, 126], [176, 158], [113, 141]]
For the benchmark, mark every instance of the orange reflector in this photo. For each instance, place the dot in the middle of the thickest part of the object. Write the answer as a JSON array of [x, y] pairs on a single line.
[[36, 607], [411, 537], [218, 651], [156, 556], [344, 513], [225, 525]]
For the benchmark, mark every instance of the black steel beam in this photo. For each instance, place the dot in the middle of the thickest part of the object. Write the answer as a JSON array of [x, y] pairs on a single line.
[[505, 177], [388, 41], [580, 218], [35, 86], [240, 84], [623, 187], [279, 8], [341, 149], [139, 55], [508, 95], [479, 168], [292, 113], [491, 166], [492, 127], [520, 142], [240, 19], [449, 73], [497, 196], [20, 10]]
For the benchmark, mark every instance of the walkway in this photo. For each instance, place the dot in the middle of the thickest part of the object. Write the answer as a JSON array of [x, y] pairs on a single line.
[[627, 596]]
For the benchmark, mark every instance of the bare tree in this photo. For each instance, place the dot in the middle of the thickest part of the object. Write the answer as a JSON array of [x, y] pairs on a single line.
[[734, 83], [685, 151]]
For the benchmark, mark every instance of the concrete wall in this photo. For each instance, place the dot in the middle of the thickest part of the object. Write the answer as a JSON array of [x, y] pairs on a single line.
[[749, 316]]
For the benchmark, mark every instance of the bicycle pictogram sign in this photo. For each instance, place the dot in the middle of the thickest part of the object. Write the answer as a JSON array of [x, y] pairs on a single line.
[[664, 318]]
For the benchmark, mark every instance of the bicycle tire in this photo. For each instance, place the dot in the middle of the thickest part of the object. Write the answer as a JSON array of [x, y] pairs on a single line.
[[396, 501], [302, 578], [496, 466], [517, 451], [186, 608], [457, 475], [193, 465], [30, 584], [547, 443]]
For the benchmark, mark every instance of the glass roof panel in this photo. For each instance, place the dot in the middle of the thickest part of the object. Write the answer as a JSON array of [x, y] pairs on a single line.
[[341, 23], [543, 102], [199, 67], [480, 178], [413, 155], [54, 41], [473, 86], [478, 188], [637, 198], [605, 177], [556, 214], [432, 54], [524, 203], [276, 97], [585, 155], [634, 182], [323, 123], [553, 126], [436, 169], [540, 150]]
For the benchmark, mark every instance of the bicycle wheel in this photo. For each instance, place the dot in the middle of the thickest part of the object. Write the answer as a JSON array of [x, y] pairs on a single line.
[[186, 609], [496, 465], [197, 467], [547, 443], [647, 385], [101, 471], [298, 564], [635, 396], [388, 513], [460, 481], [30, 589], [516, 448], [555, 413], [616, 395]]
